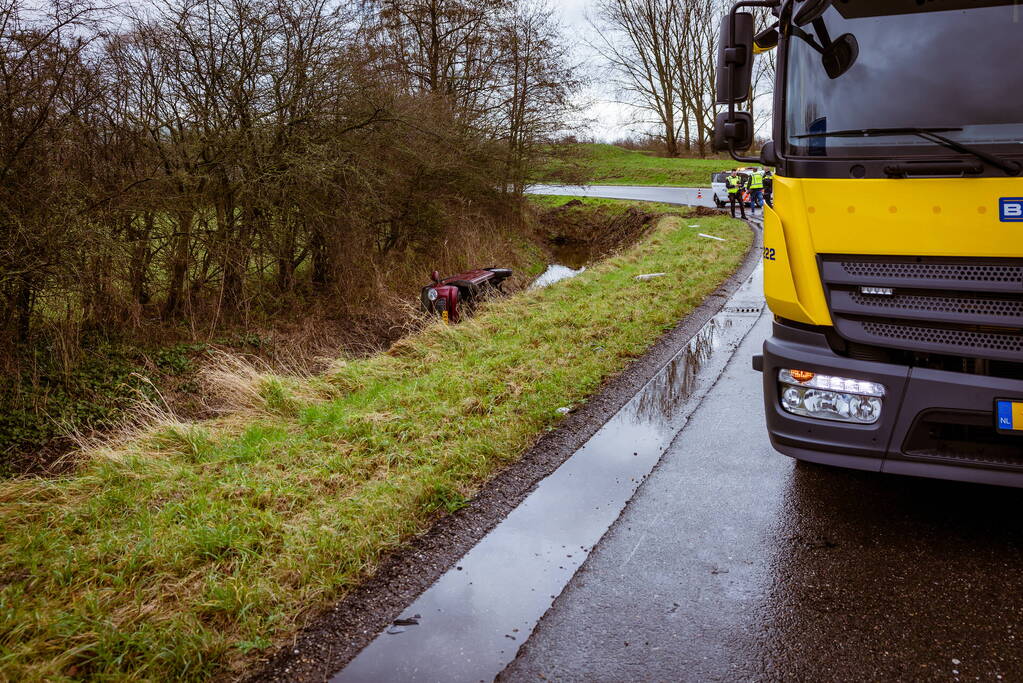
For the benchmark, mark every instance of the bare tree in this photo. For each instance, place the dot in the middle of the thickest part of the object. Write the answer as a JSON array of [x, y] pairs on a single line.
[[695, 57], [207, 160], [444, 47], [47, 85], [761, 102], [663, 53], [538, 82], [637, 38]]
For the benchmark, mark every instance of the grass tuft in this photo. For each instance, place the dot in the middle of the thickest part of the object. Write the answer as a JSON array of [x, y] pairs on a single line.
[[188, 440]]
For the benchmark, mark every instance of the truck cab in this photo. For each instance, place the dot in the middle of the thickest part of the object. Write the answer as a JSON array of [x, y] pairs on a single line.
[[894, 255]]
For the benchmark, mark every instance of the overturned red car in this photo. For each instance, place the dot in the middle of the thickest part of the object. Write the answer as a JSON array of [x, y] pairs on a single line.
[[455, 296]]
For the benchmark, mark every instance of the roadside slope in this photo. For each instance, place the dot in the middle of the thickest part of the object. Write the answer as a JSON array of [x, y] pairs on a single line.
[[186, 549], [600, 164]]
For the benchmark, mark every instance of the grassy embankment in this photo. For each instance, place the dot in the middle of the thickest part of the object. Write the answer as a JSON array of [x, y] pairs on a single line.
[[609, 165], [55, 386], [179, 551]]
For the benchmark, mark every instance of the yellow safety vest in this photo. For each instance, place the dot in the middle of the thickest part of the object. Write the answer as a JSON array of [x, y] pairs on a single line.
[[757, 182], [733, 184]]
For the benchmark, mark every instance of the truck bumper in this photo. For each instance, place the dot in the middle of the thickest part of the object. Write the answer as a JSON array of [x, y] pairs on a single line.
[[934, 423]]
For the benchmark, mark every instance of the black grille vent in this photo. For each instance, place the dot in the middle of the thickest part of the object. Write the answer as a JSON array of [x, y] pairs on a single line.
[[961, 307], [962, 272], [1008, 308], [964, 438], [962, 339]]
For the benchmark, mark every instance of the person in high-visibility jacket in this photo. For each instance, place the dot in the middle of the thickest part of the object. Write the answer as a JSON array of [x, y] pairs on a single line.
[[756, 191], [735, 193]]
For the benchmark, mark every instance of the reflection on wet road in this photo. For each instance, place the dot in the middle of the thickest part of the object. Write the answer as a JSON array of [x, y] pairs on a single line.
[[474, 618], [734, 563]]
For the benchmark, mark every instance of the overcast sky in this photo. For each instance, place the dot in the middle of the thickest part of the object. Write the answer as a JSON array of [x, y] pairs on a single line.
[[606, 119], [573, 10]]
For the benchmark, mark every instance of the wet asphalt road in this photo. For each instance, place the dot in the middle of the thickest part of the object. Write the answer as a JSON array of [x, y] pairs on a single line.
[[732, 562], [688, 196]]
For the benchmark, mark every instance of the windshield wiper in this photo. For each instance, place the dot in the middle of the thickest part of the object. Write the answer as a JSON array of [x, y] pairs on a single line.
[[1010, 167]]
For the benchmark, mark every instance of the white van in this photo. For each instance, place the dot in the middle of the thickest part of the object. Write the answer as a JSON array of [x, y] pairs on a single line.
[[719, 188]]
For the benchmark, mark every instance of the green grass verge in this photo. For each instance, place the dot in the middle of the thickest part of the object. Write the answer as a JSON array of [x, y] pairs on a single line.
[[183, 550], [610, 165]]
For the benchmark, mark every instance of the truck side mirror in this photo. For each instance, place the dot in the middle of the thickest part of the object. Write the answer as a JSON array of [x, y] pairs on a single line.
[[766, 40], [735, 59], [840, 55], [733, 133], [810, 10]]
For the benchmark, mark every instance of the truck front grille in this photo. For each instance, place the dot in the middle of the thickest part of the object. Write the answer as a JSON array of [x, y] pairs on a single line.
[[1011, 309], [961, 307], [947, 272], [947, 338]]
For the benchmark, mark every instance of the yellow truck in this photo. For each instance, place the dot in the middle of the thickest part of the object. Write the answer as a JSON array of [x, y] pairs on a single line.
[[893, 259]]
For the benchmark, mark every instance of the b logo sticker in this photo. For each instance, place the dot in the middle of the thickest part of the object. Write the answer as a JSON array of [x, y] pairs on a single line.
[[1011, 209]]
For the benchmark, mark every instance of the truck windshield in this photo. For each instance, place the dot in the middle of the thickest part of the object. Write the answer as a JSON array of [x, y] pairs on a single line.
[[956, 69]]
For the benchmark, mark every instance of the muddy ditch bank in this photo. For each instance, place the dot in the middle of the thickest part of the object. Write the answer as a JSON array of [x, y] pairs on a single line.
[[577, 234], [336, 635]]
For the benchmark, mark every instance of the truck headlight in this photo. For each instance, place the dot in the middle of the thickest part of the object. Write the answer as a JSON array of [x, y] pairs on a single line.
[[826, 397], [431, 294]]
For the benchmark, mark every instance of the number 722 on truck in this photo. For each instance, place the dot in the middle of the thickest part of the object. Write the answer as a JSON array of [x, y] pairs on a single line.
[[896, 238]]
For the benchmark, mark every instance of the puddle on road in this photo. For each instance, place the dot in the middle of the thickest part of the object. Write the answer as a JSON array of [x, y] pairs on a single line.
[[555, 273], [472, 621]]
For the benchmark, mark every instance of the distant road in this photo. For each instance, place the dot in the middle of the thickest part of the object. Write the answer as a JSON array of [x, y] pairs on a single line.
[[687, 196]]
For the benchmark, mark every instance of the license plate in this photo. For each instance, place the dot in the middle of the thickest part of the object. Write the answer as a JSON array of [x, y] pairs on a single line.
[[1009, 416]]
